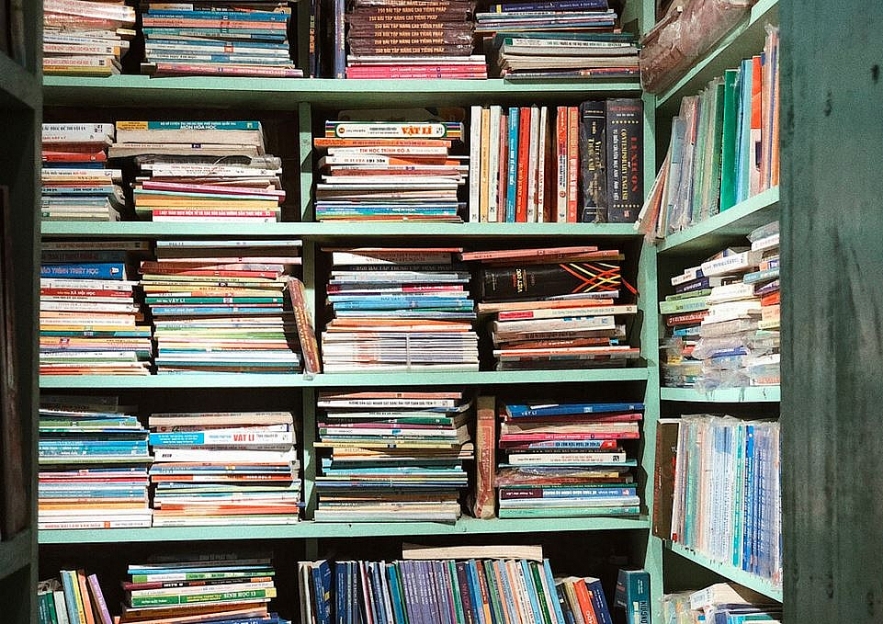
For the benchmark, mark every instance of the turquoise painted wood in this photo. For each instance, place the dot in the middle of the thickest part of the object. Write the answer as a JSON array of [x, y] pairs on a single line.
[[832, 348]]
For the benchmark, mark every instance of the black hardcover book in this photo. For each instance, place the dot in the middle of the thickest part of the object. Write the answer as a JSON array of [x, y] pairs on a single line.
[[538, 281], [592, 164], [625, 157]]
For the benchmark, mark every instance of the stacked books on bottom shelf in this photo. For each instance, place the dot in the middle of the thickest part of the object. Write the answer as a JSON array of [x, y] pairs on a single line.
[[567, 459], [394, 456], [224, 468], [93, 456], [727, 603], [222, 589], [398, 309], [554, 307], [219, 306], [727, 493]]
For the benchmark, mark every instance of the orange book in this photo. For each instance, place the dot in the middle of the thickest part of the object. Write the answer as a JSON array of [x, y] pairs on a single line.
[[756, 125], [522, 162], [585, 602], [485, 457]]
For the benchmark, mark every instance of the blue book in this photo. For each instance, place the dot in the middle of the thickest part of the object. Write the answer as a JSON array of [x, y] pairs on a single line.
[[233, 16], [84, 270], [71, 589], [340, 597], [475, 593], [396, 593], [533, 592], [556, 599], [321, 576], [512, 164], [632, 596], [743, 131], [518, 410]]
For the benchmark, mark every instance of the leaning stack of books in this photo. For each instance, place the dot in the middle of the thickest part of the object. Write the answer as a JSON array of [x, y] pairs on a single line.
[[763, 366], [406, 39], [84, 38], [553, 307], [93, 457], [226, 588], [76, 185], [91, 321], [184, 189], [395, 170], [394, 456], [224, 468], [564, 38], [217, 37], [567, 459], [398, 309], [219, 306]]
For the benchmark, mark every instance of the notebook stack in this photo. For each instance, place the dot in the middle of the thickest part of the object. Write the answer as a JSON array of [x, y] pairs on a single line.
[[393, 456], [217, 38], [398, 309], [77, 185], [93, 457]]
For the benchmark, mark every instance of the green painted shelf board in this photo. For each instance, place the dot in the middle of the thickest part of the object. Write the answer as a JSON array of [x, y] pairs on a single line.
[[202, 91], [314, 530], [321, 230], [744, 40], [18, 87], [749, 580], [753, 394], [466, 378], [15, 553], [725, 227]]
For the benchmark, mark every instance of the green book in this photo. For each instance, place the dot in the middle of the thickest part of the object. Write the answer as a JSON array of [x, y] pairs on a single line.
[[712, 174], [728, 139]]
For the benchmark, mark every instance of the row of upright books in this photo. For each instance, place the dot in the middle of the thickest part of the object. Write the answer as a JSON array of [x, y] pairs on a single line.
[[383, 456], [723, 318], [362, 39], [724, 147], [564, 164]]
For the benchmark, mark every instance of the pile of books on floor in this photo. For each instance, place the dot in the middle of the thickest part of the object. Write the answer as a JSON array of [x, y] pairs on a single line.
[[554, 40], [201, 171], [205, 587], [553, 307], [91, 320], [567, 459], [76, 183], [408, 40], [224, 468], [84, 38], [217, 38], [394, 456], [220, 306], [390, 170], [398, 309], [725, 313], [93, 457]]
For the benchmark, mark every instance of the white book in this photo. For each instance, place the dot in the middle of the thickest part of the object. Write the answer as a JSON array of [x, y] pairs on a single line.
[[544, 152], [493, 165]]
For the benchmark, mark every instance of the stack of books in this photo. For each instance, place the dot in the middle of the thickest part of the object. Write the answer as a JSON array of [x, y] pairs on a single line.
[[217, 38], [220, 306], [224, 468], [91, 319], [93, 457], [763, 366], [76, 185], [184, 188], [553, 307], [390, 170], [406, 39], [394, 456], [84, 38], [565, 38], [567, 459], [730, 339], [222, 588], [398, 309]]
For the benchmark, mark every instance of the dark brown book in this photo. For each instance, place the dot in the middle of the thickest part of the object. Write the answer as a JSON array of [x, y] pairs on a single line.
[[484, 504], [537, 281], [625, 157], [664, 475]]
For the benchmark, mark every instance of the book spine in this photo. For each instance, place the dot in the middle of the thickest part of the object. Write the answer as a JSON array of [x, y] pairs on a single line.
[[98, 598], [561, 175], [305, 328], [625, 152], [474, 163], [485, 456], [512, 164], [84, 270], [593, 161]]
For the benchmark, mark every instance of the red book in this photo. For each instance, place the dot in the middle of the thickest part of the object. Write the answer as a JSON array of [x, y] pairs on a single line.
[[523, 162]]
